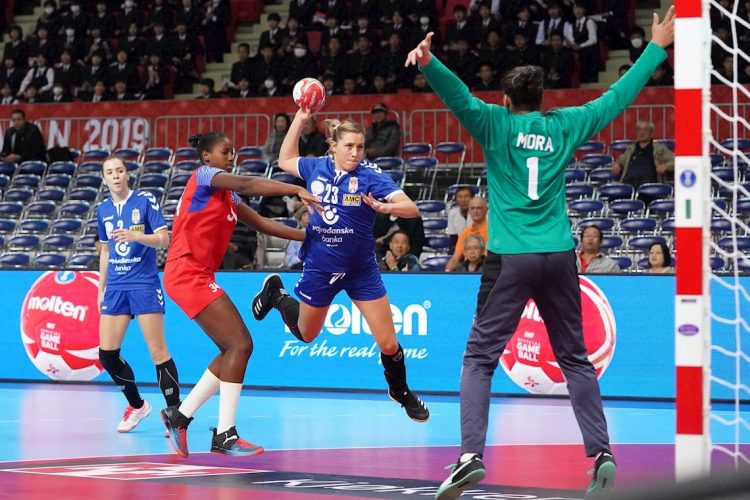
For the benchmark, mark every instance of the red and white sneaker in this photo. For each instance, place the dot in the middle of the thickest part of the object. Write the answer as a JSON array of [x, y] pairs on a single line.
[[133, 416]]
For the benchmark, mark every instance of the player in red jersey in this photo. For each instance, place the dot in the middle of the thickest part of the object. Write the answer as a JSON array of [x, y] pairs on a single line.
[[205, 219]]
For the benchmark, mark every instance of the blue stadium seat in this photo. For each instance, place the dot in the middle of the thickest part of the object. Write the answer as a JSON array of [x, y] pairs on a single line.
[[590, 147], [153, 180], [14, 260], [601, 175], [654, 190], [619, 145], [69, 225], [21, 194], [57, 180], [158, 154], [661, 208], [575, 191], [91, 226], [24, 242], [727, 192], [719, 225], [645, 242], [8, 168], [25, 180], [74, 208], [86, 243], [127, 154], [430, 206], [742, 144], [439, 244], [32, 167], [88, 180], [389, 163], [575, 175], [638, 225], [49, 259], [667, 143], [94, 155], [454, 155], [10, 208], [288, 221], [615, 191], [450, 148], [58, 242], [7, 226], [717, 263], [4, 181], [451, 192], [743, 206], [284, 177], [41, 209], [611, 242], [594, 161], [603, 223], [62, 167], [435, 224], [719, 203], [170, 207], [436, 263], [83, 194], [716, 160], [248, 153], [156, 167], [180, 180], [253, 167], [416, 148], [81, 261], [396, 175], [725, 174], [186, 153], [132, 166], [175, 192], [668, 225], [34, 226], [90, 167], [586, 206], [187, 165], [2, 241], [743, 265], [727, 243]]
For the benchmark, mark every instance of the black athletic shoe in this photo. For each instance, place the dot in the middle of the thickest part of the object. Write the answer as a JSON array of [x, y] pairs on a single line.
[[463, 476], [176, 424], [415, 408], [230, 443], [262, 303], [605, 470]]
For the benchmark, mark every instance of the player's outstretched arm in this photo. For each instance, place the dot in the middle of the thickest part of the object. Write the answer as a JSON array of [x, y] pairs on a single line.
[[400, 206], [289, 153], [268, 226], [260, 186]]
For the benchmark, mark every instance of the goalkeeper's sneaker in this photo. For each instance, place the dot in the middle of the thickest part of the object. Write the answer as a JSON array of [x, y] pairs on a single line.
[[262, 303], [464, 474], [176, 424], [605, 470], [133, 416], [415, 408], [230, 443]]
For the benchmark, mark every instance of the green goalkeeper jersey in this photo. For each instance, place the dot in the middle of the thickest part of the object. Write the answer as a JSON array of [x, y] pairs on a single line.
[[527, 153]]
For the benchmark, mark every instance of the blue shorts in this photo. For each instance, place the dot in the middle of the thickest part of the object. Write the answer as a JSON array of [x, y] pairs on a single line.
[[133, 302], [318, 288]]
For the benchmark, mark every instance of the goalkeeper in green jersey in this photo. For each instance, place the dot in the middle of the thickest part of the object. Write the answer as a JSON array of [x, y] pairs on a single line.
[[531, 247]]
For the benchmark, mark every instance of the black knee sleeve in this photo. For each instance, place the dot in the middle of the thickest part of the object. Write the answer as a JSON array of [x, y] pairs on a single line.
[[122, 375]]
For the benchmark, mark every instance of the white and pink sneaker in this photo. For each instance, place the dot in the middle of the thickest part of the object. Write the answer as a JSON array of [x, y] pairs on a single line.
[[133, 416]]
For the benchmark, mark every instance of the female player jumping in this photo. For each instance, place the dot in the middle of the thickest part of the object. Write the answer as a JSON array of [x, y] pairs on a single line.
[[206, 216], [131, 227], [338, 252]]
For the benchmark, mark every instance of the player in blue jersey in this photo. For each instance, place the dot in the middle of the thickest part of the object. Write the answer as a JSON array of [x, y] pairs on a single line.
[[338, 251], [131, 228]]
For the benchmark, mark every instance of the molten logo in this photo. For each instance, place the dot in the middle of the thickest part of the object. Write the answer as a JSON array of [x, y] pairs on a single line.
[[57, 305]]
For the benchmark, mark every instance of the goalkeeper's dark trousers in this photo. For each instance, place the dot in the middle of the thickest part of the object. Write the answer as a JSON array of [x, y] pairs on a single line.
[[508, 282]]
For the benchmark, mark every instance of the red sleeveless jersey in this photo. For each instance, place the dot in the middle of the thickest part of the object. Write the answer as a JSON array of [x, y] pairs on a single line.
[[204, 221]]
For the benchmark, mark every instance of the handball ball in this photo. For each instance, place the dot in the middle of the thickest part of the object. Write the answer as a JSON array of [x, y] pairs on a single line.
[[60, 325], [309, 93]]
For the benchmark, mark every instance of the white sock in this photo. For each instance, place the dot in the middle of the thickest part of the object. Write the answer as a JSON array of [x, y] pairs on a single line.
[[466, 457], [229, 396], [204, 389]]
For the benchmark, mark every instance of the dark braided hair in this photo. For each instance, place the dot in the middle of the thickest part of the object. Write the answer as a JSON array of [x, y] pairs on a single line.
[[204, 143]]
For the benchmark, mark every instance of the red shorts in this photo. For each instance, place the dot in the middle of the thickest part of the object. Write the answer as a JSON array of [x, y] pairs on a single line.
[[190, 284]]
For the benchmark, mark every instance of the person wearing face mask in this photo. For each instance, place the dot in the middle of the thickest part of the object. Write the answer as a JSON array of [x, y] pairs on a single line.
[[49, 19], [71, 41], [421, 29], [77, 19], [297, 65], [637, 44], [265, 67], [416, 10], [57, 95]]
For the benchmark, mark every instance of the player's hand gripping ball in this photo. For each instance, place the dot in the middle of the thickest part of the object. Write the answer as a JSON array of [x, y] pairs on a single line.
[[309, 93]]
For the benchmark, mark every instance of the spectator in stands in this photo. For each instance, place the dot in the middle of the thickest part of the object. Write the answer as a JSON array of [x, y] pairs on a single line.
[[207, 89], [363, 29], [718, 17], [459, 217], [485, 23], [622, 69], [123, 70], [266, 66], [94, 72], [270, 88], [129, 15], [297, 65], [68, 74], [7, 96], [494, 53], [157, 42], [50, 18], [365, 8], [398, 25], [398, 257], [384, 135], [102, 20], [419, 84], [312, 142], [155, 79], [272, 36], [335, 9], [554, 23], [333, 30], [334, 63], [582, 38], [57, 95], [17, 49], [363, 62], [242, 90], [243, 68], [457, 28], [99, 94], [726, 71], [379, 86], [133, 44], [659, 259], [303, 11], [386, 225], [391, 62], [479, 226], [291, 258], [349, 87], [23, 140], [290, 35], [77, 19], [522, 54], [183, 47], [11, 75], [214, 26], [158, 13], [557, 61], [662, 76], [41, 76], [644, 160], [425, 26], [329, 85], [97, 43], [190, 15], [30, 96], [474, 253], [523, 25], [41, 44], [463, 61], [637, 43], [590, 259], [272, 146], [72, 41], [419, 10], [488, 80], [121, 91]]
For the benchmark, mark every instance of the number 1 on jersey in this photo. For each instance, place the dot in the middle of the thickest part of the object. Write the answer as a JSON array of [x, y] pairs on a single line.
[[533, 165]]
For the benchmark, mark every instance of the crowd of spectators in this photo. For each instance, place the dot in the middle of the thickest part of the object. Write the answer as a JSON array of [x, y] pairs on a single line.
[[106, 50]]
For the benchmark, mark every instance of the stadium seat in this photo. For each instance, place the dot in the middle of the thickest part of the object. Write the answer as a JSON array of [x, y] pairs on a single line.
[[8, 168], [397, 176], [169, 207], [4, 181], [84, 194], [34, 226], [716, 160], [25, 180], [74, 208], [619, 145], [668, 225], [601, 174], [717, 263], [127, 154], [431, 206], [91, 227], [90, 167], [728, 192], [58, 242], [743, 207], [93, 155], [88, 180], [153, 180], [645, 242], [32, 167], [156, 167], [132, 166], [586, 206], [49, 259], [638, 225], [725, 174], [603, 223], [86, 243], [81, 261], [590, 147], [7, 226], [24, 242], [575, 175], [41, 209], [437, 244], [175, 192], [593, 161], [10, 208], [158, 154], [274, 258], [744, 265], [69, 225], [58, 180], [186, 154], [21, 194], [434, 225], [740, 143], [436, 263], [662, 208], [452, 156], [156, 192], [451, 192], [611, 242], [627, 207], [387, 163], [719, 204], [284, 177], [187, 165], [253, 167], [14, 260], [421, 172], [719, 225], [416, 148], [51, 194], [727, 243], [180, 180], [62, 167], [576, 191], [2, 241], [654, 190], [615, 191], [248, 153]]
